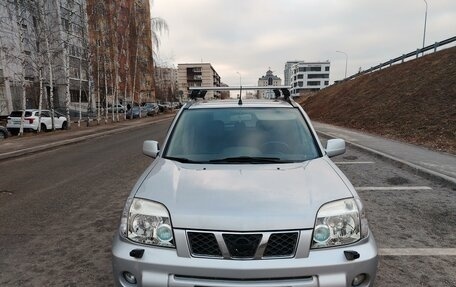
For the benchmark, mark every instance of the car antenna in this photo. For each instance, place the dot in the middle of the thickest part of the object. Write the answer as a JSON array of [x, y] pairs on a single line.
[[240, 96]]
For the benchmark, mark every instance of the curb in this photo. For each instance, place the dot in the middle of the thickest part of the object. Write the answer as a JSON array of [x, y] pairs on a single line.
[[45, 147], [418, 170]]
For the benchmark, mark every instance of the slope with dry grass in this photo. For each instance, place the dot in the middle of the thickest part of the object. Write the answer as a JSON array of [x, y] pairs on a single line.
[[413, 102]]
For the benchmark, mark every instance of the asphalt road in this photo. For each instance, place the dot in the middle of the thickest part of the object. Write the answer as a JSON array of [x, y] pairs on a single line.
[[59, 210]]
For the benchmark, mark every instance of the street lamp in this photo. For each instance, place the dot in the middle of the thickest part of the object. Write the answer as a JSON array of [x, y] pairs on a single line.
[[346, 61], [240, 84], [425, 19]]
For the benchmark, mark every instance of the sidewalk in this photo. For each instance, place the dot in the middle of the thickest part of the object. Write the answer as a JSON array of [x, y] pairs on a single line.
[[428, 163], [32, 143]]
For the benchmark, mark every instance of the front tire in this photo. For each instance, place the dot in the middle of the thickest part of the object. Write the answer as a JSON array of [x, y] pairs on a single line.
[[64, 126], [43, 128]]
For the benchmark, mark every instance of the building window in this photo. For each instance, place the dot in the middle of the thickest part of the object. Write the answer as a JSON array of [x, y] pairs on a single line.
[[327, 69], [326, 83], [317, 76], [74, 94], [300, 84], [313, 83], [300, 76], [315, 69], [302, 69], [66, 24]]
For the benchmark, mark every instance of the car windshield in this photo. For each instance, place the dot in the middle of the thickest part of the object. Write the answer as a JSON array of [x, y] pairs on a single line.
[[241, 135]]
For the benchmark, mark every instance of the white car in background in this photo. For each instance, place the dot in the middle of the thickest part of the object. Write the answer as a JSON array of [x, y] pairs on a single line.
[[32, 121]]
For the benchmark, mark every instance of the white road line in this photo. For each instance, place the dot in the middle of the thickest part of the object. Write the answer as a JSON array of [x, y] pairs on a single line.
[[373, 188], [354, 162], [417, 251]]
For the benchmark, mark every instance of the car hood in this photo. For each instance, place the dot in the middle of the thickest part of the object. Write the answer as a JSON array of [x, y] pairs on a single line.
[[243, 197]]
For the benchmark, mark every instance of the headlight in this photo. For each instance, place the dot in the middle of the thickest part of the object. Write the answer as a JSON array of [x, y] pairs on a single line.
[[338, 223], [147, 222]]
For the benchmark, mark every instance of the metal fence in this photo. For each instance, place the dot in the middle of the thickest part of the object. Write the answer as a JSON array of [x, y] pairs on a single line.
[[403, 57]]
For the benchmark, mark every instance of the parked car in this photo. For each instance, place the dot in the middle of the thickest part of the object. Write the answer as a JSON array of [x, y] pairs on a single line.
[[242, 193], [120, 108], [133, 112], [3, 133], [151, 109], [163, 107], [32, 121]]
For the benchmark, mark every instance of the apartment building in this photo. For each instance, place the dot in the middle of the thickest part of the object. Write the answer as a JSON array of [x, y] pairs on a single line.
[[28, 30], [287, 72], [307, 76], [268, 80], [197, 75]]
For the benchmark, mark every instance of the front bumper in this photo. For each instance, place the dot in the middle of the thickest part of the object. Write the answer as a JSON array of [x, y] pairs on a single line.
[[162, 267]]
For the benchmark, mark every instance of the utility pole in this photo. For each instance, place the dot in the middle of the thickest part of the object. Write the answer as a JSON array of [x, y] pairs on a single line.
[[425, 20], [346, 61]]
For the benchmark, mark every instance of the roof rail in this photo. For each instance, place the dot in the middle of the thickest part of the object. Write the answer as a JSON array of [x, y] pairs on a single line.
[[200, 92]]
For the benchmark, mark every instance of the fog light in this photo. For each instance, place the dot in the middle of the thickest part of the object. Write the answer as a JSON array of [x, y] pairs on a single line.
[[359, 279], [130, 278]]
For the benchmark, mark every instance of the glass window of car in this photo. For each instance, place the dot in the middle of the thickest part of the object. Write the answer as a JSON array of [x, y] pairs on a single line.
[[211, 135], [44, 114], [18, 114]]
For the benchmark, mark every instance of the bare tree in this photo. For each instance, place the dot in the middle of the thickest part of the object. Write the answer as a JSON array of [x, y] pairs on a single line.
[[159, 27]]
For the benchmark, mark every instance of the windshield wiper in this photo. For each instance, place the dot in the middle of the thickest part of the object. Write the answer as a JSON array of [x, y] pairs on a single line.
[[182, 159], [249, 159]]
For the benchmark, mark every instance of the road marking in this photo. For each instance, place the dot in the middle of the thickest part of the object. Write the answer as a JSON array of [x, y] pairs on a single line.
[[373, 188], [354, 162], [417, 251]]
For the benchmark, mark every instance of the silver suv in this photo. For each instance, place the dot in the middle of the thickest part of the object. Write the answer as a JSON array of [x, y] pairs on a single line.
[[241, 194]]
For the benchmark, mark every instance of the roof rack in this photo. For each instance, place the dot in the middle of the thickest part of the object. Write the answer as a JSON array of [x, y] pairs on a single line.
[[200, 92]]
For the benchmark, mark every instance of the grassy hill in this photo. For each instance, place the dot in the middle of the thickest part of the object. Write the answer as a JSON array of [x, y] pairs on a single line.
[[413, 102]]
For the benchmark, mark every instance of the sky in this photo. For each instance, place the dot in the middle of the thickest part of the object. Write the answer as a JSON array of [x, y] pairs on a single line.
[[242, 39]]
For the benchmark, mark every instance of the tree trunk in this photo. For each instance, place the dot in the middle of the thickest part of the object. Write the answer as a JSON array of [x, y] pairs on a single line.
[[40, 100], [80, 91]]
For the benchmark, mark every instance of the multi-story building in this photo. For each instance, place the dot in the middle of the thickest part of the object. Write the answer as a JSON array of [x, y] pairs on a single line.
[[308, 76], [268, 80], [166, 86], [287, 72], [37, 37], [197, 75]]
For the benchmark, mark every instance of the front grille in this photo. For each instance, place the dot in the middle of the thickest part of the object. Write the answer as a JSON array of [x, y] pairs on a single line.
[[243, 245], [281, 244], [203, 244]]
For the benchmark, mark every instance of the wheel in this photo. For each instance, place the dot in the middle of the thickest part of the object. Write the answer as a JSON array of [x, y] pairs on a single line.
[[275, 147], [43, 127], [3, 135], [64, 126]]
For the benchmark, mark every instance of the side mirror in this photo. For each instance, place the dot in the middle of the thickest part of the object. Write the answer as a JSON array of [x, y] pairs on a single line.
[[151, 148], [335, 147]]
